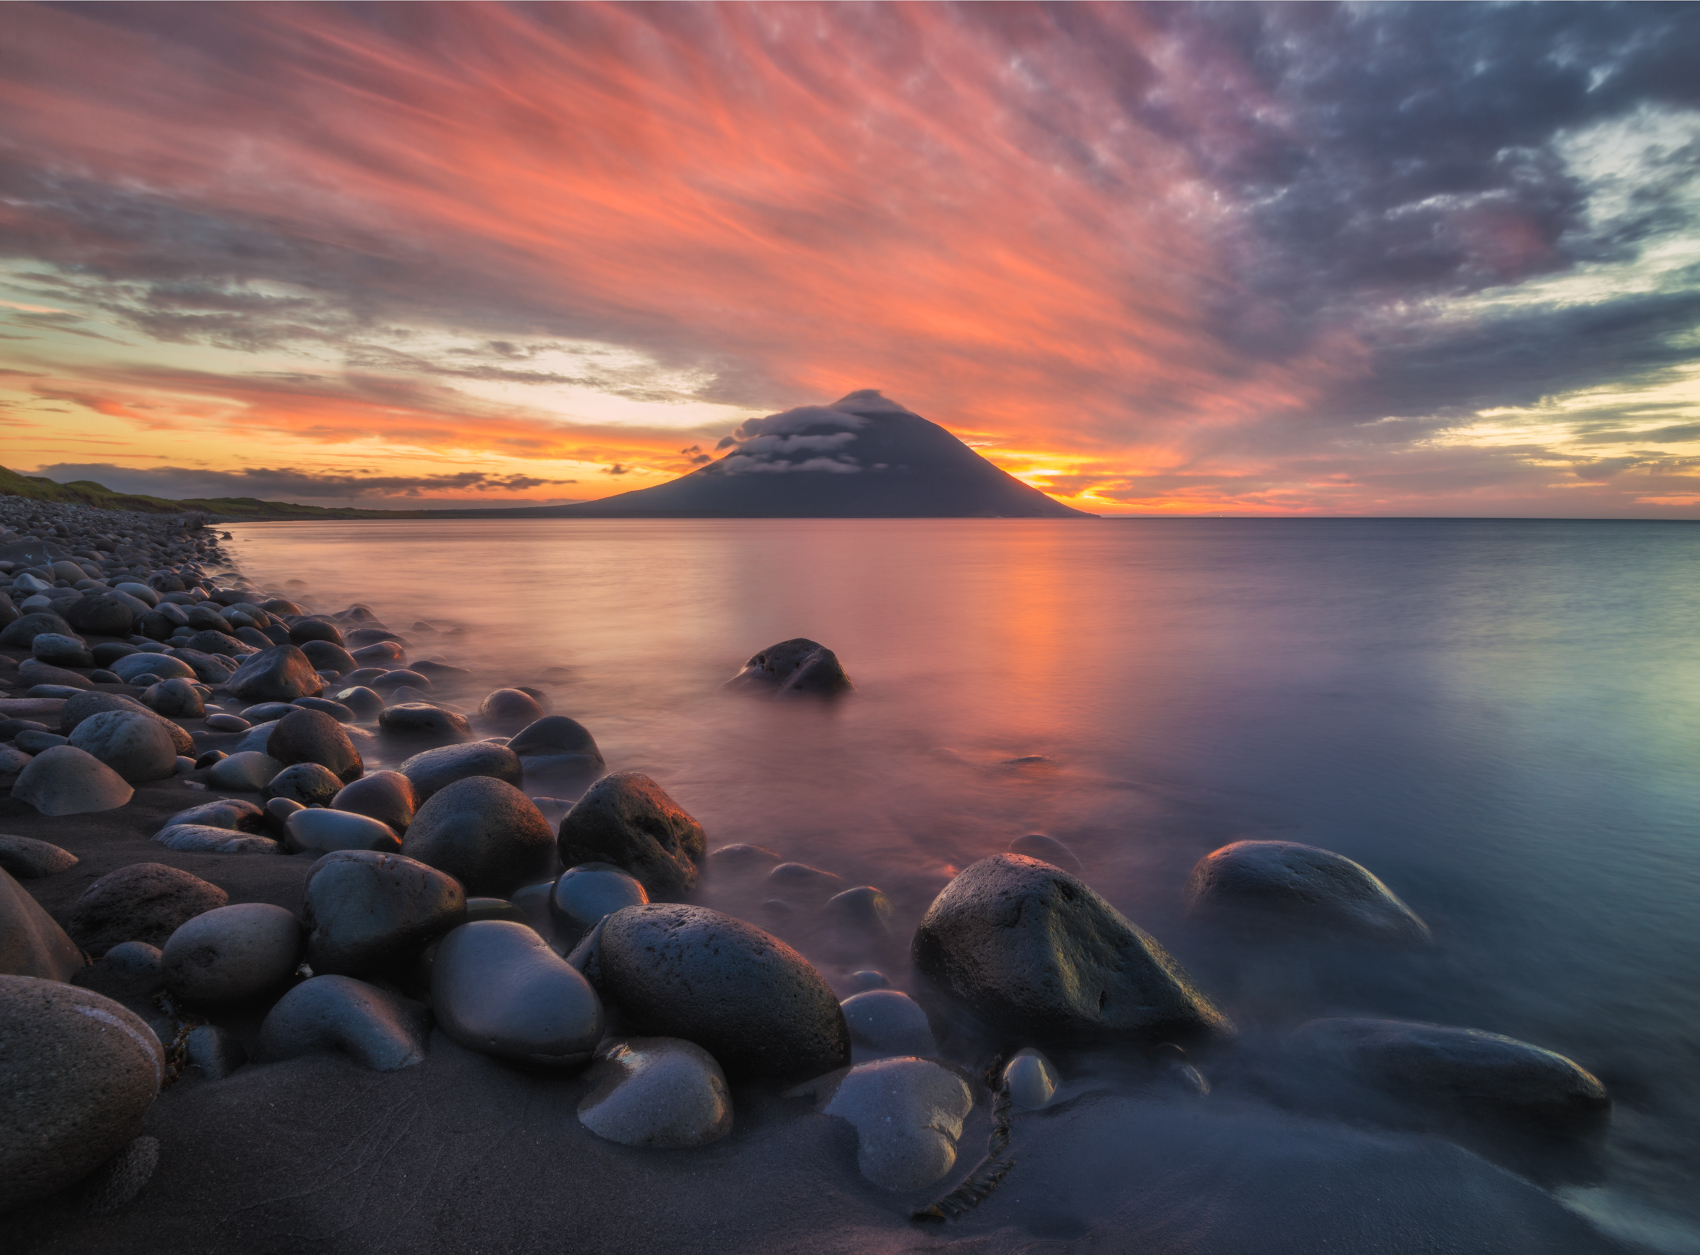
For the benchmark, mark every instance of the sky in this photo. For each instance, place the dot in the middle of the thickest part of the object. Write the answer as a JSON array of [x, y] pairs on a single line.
[[1238, 259]]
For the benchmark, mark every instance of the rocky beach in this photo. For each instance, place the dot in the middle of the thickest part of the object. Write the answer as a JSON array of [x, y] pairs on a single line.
[[314, 941]]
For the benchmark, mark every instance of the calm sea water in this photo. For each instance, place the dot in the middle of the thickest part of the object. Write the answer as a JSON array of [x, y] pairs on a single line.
[[1501, 719]]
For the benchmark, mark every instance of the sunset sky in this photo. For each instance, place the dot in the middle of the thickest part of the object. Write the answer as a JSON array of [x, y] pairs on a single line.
[[1439, 259]]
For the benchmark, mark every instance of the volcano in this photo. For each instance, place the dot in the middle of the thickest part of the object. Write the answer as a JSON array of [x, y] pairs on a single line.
[[861, 457]]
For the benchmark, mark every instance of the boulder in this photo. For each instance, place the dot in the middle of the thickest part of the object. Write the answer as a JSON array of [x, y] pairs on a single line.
[[1476, 1074], [28, 859], [232, 953], [141, 902], [367, 912], [886, 1022], [104, 614], [419, 723], [200, 839], [61, 651], [306, 783], [798, 666], [907, 1114], [79, 1072], [430, 770], [135, 745], [65, 780], [148, 668], [85, 706], [483, 832], [1255, 880], [246, 771], [279, 674], [656, 1092], [328, 657], [583, 895], [378, 1030], [315, 629], [32, 672], [1036, 956], [22, 631], [558, 751], [31, 943], [507, 711], [233, 813], [497, 987], [743, 995], [627, 820], [325, 830], [311, 736], [175, 698], [386, 796]]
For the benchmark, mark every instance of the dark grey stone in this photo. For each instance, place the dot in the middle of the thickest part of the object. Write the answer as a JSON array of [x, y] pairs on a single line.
[[174, 698], [507, 711], [364, 702], [433, 769], [368, 912], [497, 987], [1252, 881], [379, 1030], [484, 832], [28, 859], [134, 744], [22, 631], [336, 710], [395, 681], [236, 814], [280, 674], [79, 1072], [584, 894], [66, 781], [61, 651], [213, 1051], [421, 723], [799, 880], [306, 783], [31, 943], [386, 796], [85, 706], [197, 839], [328, 657], [33, 741], [141, 902], [740, 993], [327, 829], [314, 629], [656, 1092], [886, 1022], [104, 614], [627, 820], [1037, 957], [744, 858], [798, 666], [33, 673], [312, 736], [232, 953]]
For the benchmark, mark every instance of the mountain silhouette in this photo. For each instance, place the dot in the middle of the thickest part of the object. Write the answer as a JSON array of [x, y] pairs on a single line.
[[860, 457]]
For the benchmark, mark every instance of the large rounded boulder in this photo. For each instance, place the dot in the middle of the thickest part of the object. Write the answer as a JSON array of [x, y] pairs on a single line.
[[141, 902], [279, 674], [1034, 955], [497, 987], [65, 780], [312, 736], [368, 913], [1254, 881], [31, 942], [628, 820], [556, 751], [750, 1000], [797, 666], [386, 796], [483, 832], [79, 1071], [432, 770], [22, 631], [134, 744], [105, 614], [232, 953]]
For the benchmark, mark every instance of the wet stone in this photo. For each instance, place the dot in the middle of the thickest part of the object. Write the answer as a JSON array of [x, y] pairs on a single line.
[[507, 711], [798, 666], [376, 1029], [483, 832], [1031, 1079], [174, 698], [628, 820], [908, 1115], [247, 771], [135, 745], [584, 894], [656, 1092], [65, 780], [232, 953], [28, 859], [31, 942], [237, 814], [328, 829], [281, 673], [141, 902], [368, 912], [199, 839], [886, 1022], [311, 736], [386, 796], [1251, 881], [306, 783], [497, 987], [421, 723], [742, 858], [433, 769], [799, 880], [1046, 850]]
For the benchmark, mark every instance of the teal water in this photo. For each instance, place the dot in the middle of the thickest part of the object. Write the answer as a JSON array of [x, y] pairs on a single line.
[[1501, 719]]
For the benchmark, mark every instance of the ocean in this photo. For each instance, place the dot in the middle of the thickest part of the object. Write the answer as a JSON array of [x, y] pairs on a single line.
[[1500, 719]]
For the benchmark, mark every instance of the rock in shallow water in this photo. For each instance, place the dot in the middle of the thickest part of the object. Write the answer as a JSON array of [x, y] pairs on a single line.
[[506, 711], [907, 1113], [232, 953], [584, 894], [418, 723], [65, 780], [627, 819], [312, 736], [743, 995], [657, 1092], [1305, 884], [79, 1072], [484, 833], [376, 1029], [799, 666], [1036, 956], [31, 942], [1046, 850], [367, 912], [141, 902], [279, 674], [497, 987], [886, 1022]]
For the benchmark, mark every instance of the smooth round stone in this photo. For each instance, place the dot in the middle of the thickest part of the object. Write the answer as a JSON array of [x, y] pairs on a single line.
[[65, 780], [140, 902], [306, 783], [79, 1072], [279, 809], [908, 1115], [312, 736], [135, 745], [507, 711], [61, 651], [175, 699], [386, 796], [327, 657], [232, 953], [433, 769], [483, 832], [22, 631], [1046, 850], [887, 1022], [29, 859], [660, 1093], [497, 987], [109, 652], [33, 741], [743, 995], [495, 908], [247, 771], [101, 615], [336, 710], [364, 702], [376, 1029], [314, 628], [863, 910], [1036, 956], [423, 723], [391, 681], [267, 713], [236, 814], [84, 706], [1481, 1075], [586, 893], [799, 880], [628, 820], [227, 723], [556, 750], [141, 592], [365, 675], [280, 674], [368, 912], [31, 942], [1312, 887], [197, 839], [325, 830], [1031, 1079], [379, 652], [861, 982]]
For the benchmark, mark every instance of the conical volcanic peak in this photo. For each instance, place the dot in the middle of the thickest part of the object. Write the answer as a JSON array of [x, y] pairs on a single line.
[[863, 456]]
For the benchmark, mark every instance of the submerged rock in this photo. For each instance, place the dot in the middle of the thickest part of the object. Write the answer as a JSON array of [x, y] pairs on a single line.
[[794, 666], [418, 723], [31, 942], [141, 902], [379, 1030], [497, 987], [1046, 850], [1036, 956], [628, 820], [743, 995], [1309, 885], [79, 1072], [506, 711], [657, 1092]]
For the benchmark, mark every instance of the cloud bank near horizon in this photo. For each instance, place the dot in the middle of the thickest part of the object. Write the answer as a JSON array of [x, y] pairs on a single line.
[[1384, 259]]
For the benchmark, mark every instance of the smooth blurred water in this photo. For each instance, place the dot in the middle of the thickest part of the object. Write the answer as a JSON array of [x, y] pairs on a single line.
[[1499, 718]]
